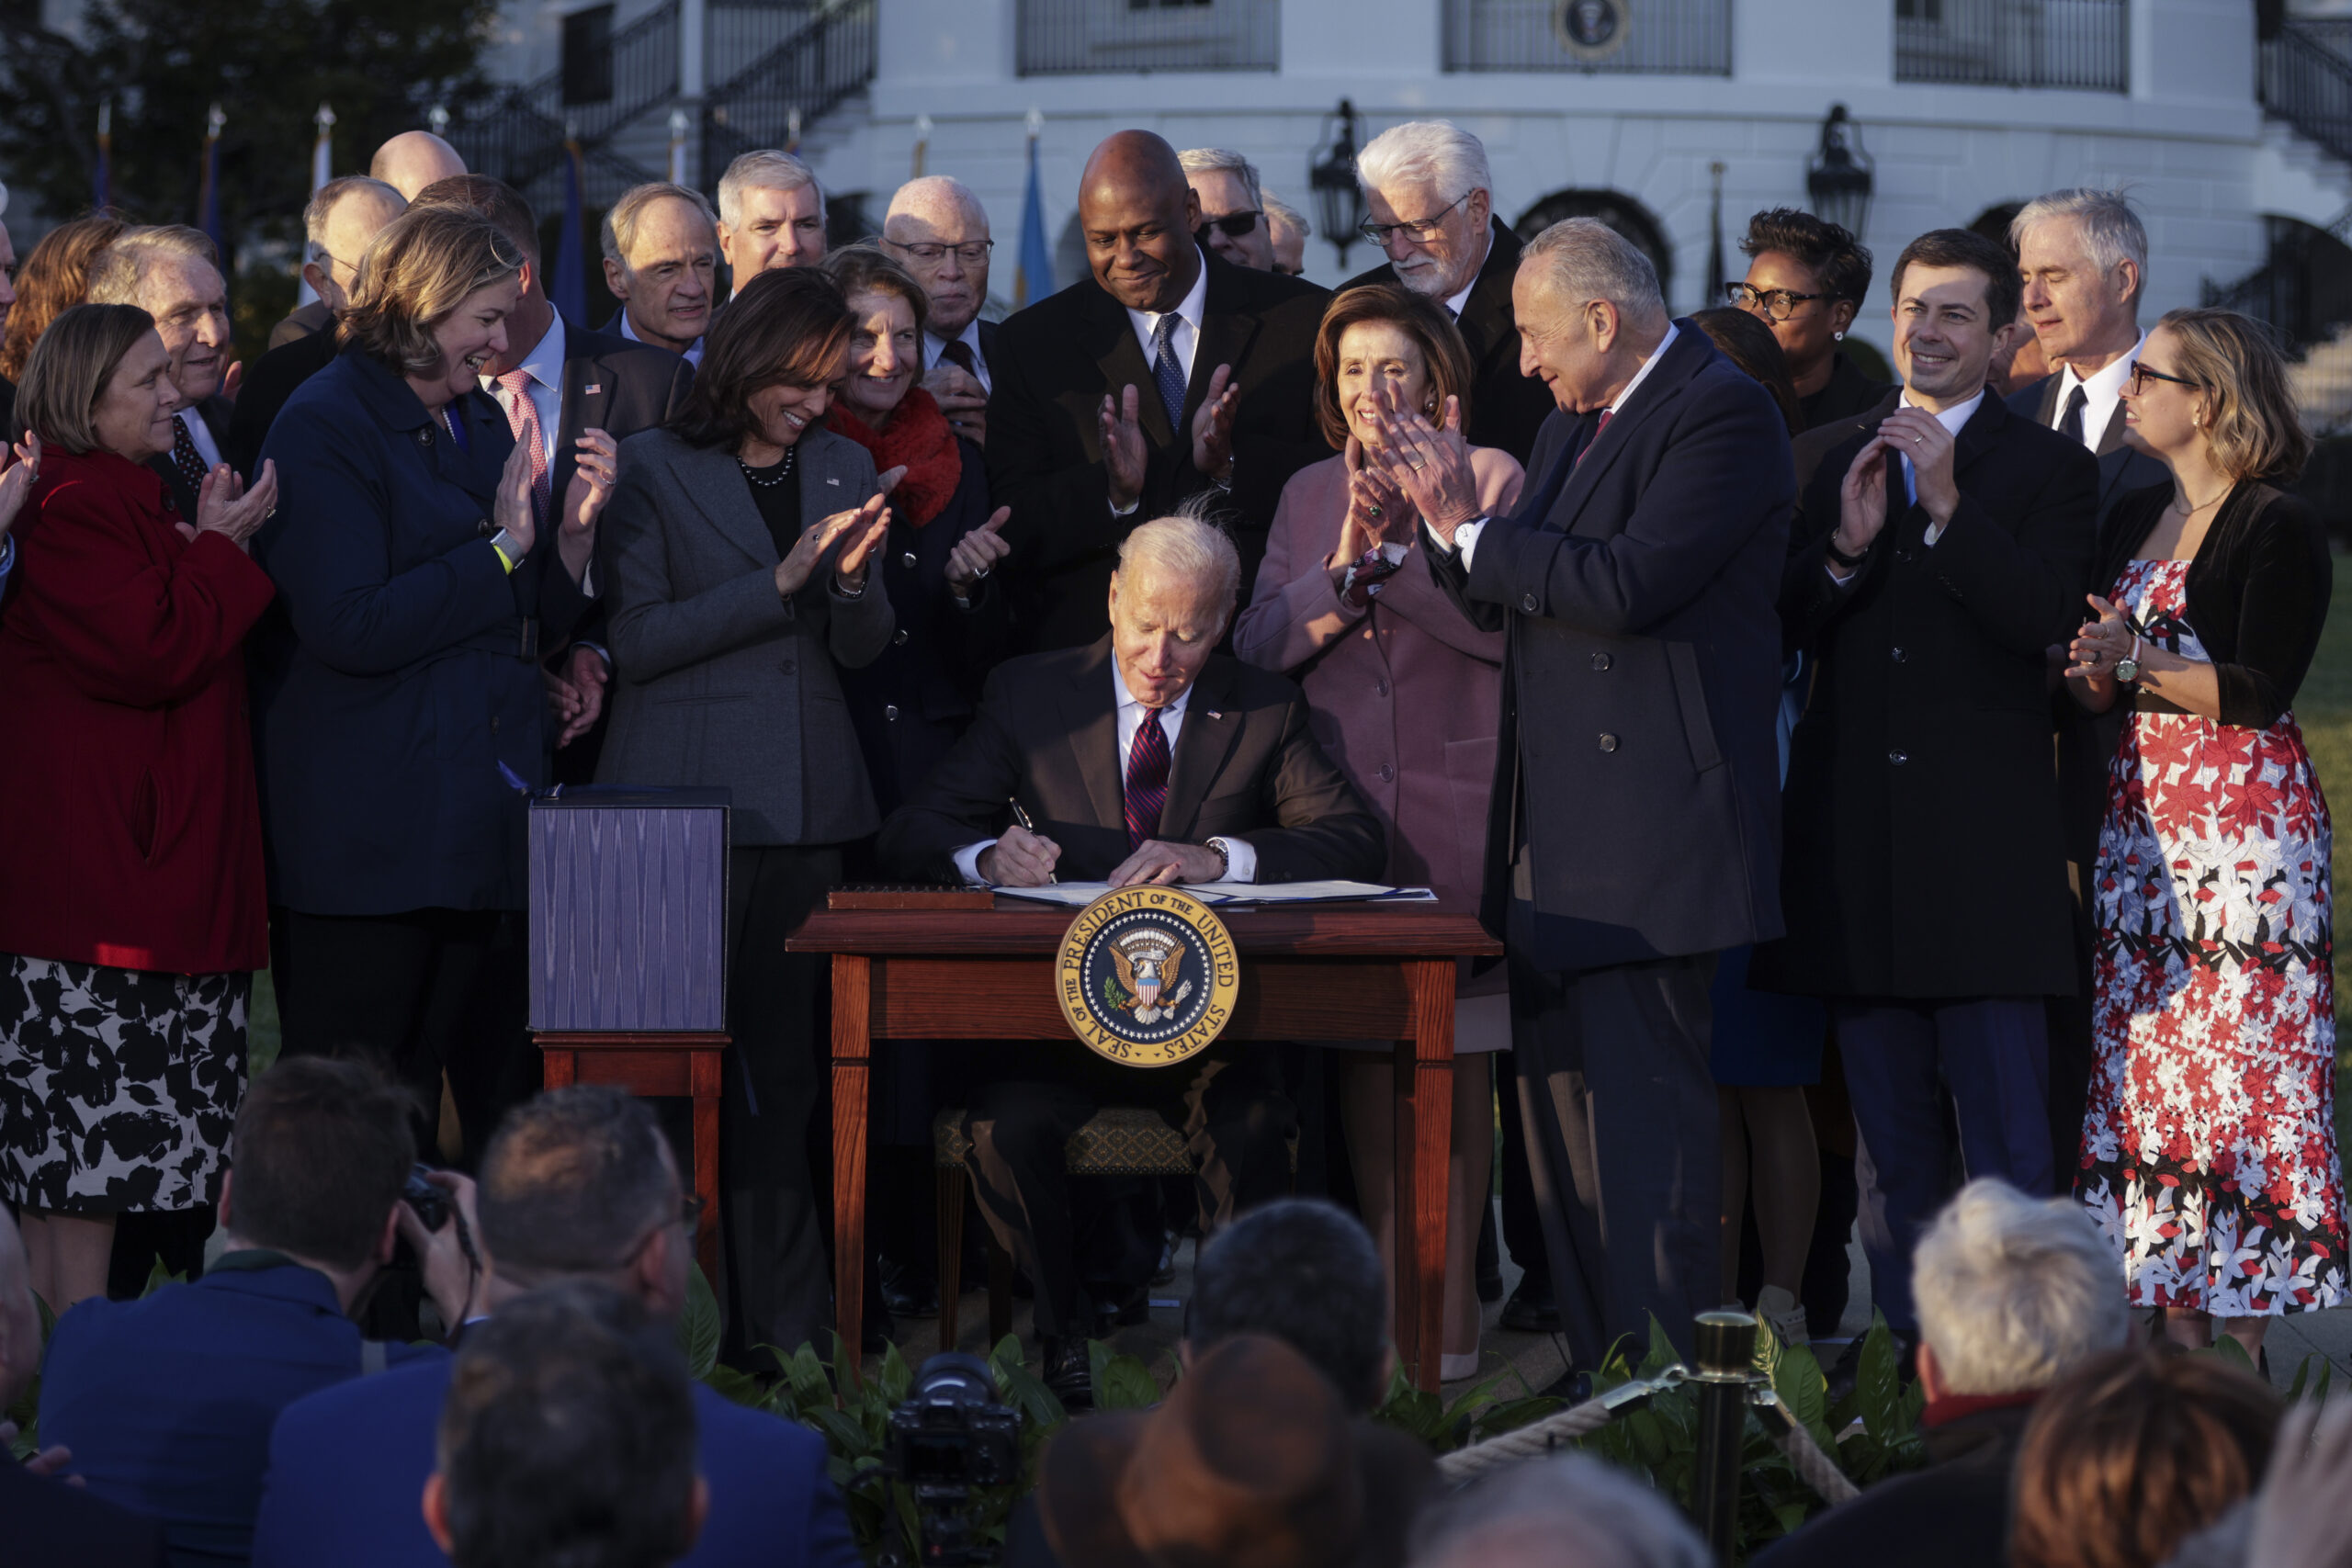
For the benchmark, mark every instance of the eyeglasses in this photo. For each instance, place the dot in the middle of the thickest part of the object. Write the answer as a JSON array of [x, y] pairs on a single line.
[[972, 252], [2143, 373], [689, 1215], [1233, 225], [1778, 303], [1420, 232]]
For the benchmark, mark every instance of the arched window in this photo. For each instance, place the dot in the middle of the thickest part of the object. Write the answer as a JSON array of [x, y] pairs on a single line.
[[1621, 213]]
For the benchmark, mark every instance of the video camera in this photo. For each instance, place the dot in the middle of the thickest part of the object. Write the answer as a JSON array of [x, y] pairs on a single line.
[[949, 1440]]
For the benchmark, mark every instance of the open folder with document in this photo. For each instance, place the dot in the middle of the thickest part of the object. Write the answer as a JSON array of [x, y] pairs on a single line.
[[1076, 895]]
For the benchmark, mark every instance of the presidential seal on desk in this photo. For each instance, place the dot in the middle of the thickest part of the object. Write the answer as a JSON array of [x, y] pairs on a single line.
[[1147, 975]]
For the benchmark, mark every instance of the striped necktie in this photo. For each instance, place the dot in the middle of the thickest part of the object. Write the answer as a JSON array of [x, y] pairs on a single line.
[[1147, 779], [1166, 373]]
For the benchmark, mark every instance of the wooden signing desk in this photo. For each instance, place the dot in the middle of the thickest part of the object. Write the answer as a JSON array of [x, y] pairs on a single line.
[[1309, 972]]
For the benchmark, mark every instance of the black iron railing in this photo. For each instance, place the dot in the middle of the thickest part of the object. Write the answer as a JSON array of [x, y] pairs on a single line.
[[2081, 44], [2305, 78], [521, 137], [1690, 37], [828, 58], [2303, 293], [1059, 36]]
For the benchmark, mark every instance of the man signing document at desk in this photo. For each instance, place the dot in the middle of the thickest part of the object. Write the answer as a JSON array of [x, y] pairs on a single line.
[[1142, 758]]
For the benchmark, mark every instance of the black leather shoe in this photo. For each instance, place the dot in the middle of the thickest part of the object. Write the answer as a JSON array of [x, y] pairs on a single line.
[[909, 1292], [1065, 1370], [1531, 1309]]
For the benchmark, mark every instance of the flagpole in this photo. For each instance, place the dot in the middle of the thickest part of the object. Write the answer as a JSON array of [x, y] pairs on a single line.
[[105, 154], [1033, 278], [922, 143], [678, 147], [568, 281], [322, 170], [208, 189]]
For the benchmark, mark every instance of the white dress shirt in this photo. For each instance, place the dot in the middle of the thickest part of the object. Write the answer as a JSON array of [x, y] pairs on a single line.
[[1455, 302], [1241, 860], [544, 364], [932, 356], [1186, 339], [1465, 538], [2101, 393], [628, 331]]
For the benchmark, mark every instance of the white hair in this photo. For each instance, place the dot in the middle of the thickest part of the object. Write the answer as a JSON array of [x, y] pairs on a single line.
[[1210, 160], [935, 191], [1184, 549], [2111, 231], [1556, 1512], [1434, 151], [2012, 1291], [763, 170], [321, 205], [619, 235], [1583, 259], [122, 266], [1280, 211]]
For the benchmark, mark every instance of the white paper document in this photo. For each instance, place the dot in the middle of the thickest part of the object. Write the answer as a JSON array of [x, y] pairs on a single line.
[[1076, 895]]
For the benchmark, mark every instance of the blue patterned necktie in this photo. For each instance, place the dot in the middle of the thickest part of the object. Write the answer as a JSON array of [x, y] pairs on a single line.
[[1165, 372]]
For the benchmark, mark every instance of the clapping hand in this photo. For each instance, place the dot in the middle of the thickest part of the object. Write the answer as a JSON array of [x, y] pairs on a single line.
[[224, 505], [1123, 449], [1921, 436], [962, 399], [1861, 498], [511, 506], [1213, 427], [976, 553], [17, 482], [584, 501], [867, 526], [1429, 463], [1377, 510], [2100, 644]]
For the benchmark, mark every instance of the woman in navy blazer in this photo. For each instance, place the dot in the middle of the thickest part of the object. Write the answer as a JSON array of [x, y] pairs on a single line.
[[399, 712]]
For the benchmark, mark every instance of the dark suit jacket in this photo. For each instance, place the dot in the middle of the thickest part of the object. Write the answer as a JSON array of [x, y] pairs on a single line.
[[348, 1463], [2122, 467], [1507, 409], [305, 321], [1054, 364], [1847, 394], [271, 381], [1954, 1514], [1923, 855], [635, 386], [412, 670], [167, 1401], [1642, 672], [51, 1525], [217, 412], [1246, 766]]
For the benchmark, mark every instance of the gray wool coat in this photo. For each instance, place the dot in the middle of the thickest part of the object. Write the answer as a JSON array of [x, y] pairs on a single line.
[[716, 679]]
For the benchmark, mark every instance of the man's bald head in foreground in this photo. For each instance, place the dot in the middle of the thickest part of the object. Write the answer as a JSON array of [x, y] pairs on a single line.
[[412, 160], [1137, 212]]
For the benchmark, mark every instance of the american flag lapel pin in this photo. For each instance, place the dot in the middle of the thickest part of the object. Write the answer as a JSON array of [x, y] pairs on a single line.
[[591, 388], [1214, 714]]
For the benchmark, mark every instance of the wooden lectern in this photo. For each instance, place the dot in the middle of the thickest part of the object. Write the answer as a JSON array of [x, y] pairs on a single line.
[[1309, 972]]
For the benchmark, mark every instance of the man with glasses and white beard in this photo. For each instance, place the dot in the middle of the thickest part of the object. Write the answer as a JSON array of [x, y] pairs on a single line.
[[1432, 211]]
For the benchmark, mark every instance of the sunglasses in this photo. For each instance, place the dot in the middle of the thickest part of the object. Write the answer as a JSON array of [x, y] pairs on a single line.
[[2143, 373], [1233, 225]]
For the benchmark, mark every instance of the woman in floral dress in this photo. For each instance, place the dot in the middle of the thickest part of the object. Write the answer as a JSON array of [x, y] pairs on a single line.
[[2209, 1148]]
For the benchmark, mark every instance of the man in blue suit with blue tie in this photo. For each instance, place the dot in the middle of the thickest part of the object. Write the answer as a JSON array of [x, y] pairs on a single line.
[[578, 1184]]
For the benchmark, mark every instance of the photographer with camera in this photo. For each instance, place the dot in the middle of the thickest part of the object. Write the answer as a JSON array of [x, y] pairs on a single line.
[[578, 1184], [166, 1402]]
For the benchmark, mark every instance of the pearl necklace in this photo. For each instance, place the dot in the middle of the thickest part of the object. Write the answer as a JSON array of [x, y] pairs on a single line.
[[784, 471]]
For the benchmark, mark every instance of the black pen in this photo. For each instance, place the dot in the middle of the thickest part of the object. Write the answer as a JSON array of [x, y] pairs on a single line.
[[1022, 817]]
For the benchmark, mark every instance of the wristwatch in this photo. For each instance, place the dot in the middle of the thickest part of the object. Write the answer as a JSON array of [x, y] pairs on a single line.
[[2127, 669], [1224, 855], [1840, 556]]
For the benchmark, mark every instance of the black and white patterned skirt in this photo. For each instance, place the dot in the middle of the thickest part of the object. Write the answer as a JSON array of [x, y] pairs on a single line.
[[118, 1087]]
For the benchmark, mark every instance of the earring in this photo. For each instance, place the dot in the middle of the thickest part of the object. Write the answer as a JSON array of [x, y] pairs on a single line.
[[1838, 337]]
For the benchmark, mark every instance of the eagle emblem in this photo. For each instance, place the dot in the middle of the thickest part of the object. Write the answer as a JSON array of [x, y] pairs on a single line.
[[1146, 962]]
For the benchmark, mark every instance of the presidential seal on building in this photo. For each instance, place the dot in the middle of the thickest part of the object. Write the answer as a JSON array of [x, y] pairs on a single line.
[[1147, 975]]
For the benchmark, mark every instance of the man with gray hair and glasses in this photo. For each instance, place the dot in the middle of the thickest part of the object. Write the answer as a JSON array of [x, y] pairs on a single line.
[[340, 219], [1432, 211], [2013, 1293], [939, 231], [771, 214], [1234, 222], [1637, 800]]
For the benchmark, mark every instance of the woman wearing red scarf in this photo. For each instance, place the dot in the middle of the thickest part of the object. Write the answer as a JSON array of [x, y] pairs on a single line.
[[911, 705]]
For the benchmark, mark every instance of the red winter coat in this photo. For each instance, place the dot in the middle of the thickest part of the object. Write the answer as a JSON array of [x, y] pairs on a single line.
[[132, 835]]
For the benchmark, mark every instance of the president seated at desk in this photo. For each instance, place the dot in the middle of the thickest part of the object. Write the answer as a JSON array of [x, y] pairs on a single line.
[[1145, 756]]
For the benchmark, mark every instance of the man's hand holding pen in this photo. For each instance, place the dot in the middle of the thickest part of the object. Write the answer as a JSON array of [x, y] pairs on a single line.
[[1021, 858]]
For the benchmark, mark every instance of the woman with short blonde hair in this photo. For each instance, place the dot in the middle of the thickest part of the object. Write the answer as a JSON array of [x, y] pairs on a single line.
[[2209, 1145], [133, 912], [423, 565]]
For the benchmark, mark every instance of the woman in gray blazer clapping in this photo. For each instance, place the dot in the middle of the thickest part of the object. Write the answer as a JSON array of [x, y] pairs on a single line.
[[736, 546]]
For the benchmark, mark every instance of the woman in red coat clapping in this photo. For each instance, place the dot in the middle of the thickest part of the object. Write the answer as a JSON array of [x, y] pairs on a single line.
[[131, 909]]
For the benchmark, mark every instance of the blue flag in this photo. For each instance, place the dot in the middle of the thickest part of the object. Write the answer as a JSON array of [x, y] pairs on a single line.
[[568, 284], [1034, 279]]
